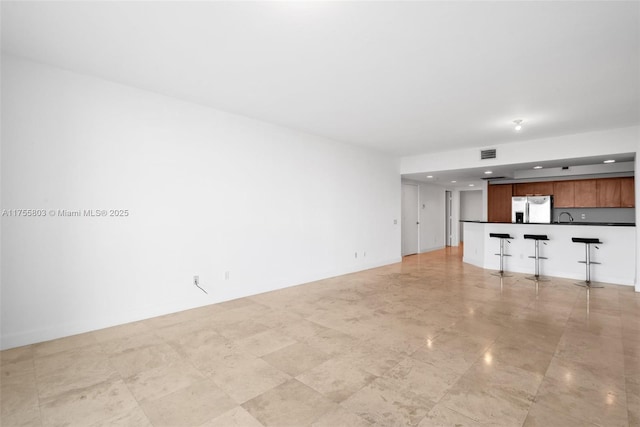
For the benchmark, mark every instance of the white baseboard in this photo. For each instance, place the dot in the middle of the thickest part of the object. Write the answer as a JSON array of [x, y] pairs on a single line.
[[142, 313]]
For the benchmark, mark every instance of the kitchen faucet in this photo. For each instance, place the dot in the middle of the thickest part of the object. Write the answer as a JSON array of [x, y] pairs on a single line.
[[562, 213]]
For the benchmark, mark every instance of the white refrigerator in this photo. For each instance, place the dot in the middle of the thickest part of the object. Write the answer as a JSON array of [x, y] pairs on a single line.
[[531, 209]]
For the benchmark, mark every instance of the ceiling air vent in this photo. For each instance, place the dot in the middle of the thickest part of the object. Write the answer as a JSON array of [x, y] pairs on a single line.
[[488, 154]]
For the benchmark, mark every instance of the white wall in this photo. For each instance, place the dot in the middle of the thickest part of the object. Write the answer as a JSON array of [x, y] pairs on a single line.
[[485, 201], [208, 192], [470, 208]]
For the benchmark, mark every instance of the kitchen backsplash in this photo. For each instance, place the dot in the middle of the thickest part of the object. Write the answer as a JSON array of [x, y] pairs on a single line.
[[597, 214]]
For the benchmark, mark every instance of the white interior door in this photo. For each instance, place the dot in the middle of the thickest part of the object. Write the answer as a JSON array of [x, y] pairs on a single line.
[[410, 219]]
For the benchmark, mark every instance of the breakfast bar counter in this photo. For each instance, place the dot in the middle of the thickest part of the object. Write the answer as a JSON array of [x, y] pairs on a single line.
[[617, 253]]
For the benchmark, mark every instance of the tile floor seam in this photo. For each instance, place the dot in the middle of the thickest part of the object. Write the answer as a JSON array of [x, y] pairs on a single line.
[[627, 397], [535, 396], [452, 409], [35, 379], [139, 405], [146, 415], [568, 415], [477, 420], [360, 389], [132, 393], [551, 360], [458, 380]]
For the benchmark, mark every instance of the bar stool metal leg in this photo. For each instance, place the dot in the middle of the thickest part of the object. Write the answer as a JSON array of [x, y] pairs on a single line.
[[537, 238], [536, 277], [501, 273], [587, 262]]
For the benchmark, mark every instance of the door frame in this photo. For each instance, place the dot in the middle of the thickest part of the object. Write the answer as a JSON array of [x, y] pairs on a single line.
[[448, 218]]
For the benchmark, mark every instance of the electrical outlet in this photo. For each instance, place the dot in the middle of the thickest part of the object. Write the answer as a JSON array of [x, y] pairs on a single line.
[[226, 275], [583, 216], [364, 254], [356, 255], [196, 281], [395, 222]]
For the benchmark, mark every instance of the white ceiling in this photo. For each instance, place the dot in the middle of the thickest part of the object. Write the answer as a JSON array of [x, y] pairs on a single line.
[[402, 77], [472, 178]]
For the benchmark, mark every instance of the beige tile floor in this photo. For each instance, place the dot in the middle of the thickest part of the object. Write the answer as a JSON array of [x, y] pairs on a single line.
[[426, 342]]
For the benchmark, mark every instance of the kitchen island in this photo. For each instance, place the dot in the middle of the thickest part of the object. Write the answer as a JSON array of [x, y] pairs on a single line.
[[617, 253]]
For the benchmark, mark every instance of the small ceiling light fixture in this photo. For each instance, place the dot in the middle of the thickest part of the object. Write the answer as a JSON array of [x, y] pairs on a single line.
[[472, 185], [609, 161], [453, 182], [537, 167], [429, 176], [518, 124], [488, 172]]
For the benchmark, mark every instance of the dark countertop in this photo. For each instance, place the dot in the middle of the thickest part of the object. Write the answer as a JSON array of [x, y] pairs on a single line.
[[607, 224]]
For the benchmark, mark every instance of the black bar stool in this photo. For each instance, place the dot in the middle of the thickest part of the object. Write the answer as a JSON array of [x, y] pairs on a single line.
[[537, 238], [502, 237], [587, 261]]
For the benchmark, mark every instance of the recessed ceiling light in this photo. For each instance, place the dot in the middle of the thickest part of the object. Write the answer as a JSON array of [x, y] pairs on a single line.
[[609, 161], [429, 176], [518, 124], [472, 185], [453, 182], [537, 167], [488, 172]]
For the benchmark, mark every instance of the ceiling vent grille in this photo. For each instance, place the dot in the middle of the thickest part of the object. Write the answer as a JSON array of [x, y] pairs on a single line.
[[488, 154]]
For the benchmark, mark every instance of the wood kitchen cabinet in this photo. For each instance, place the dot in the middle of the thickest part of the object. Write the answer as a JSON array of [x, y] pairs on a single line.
[[564, 194], [499, 202], [533, 189], [608, 193], [627, 193], [584, 193], [522, 189], [577, 193]]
